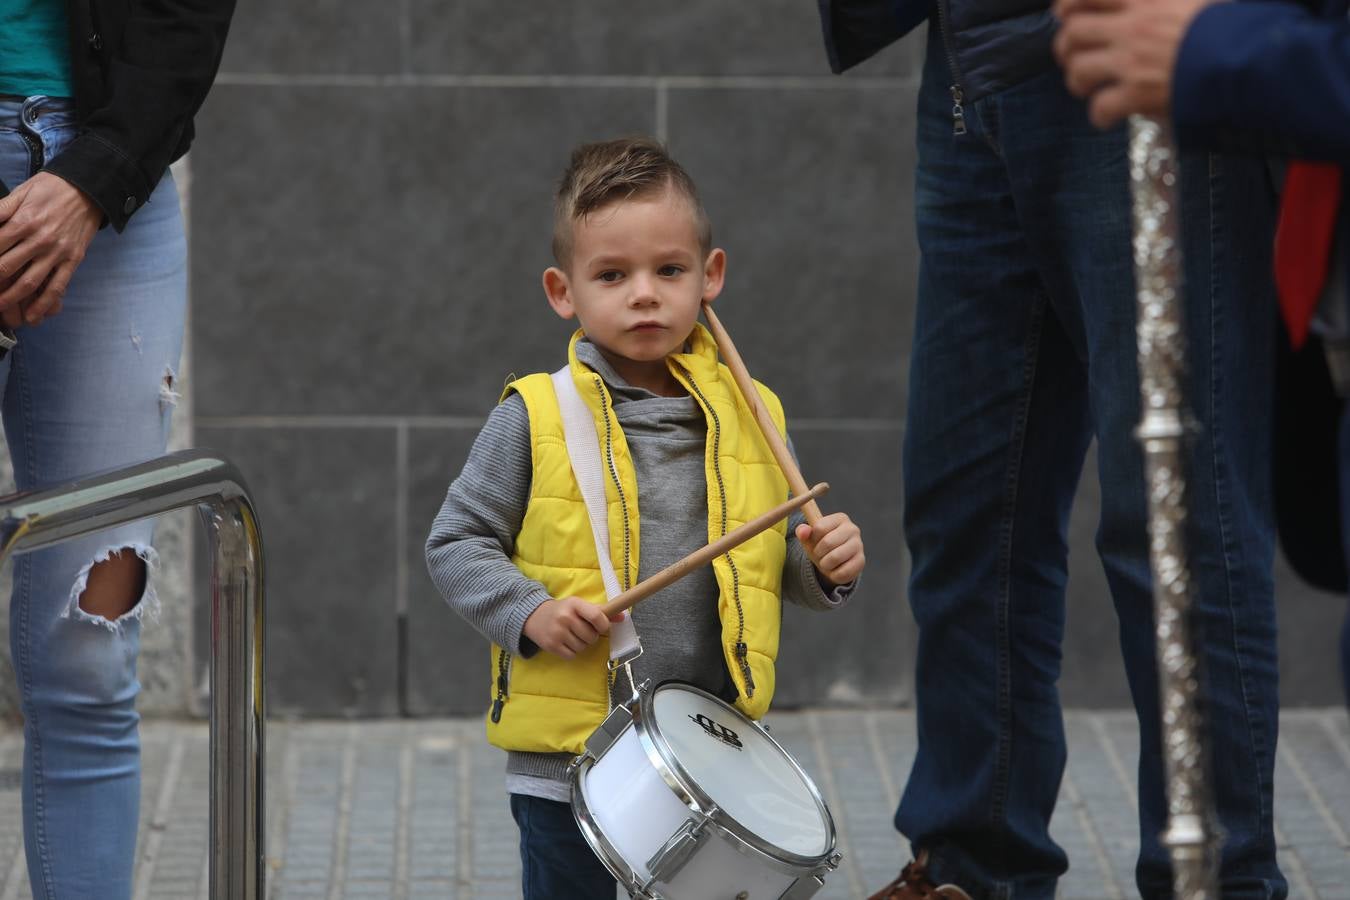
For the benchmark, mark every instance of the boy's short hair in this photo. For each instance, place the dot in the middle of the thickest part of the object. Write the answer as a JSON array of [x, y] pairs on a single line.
[[606, 171]]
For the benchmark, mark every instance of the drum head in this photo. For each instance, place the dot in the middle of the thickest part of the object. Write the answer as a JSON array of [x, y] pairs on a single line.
[[741, 769]]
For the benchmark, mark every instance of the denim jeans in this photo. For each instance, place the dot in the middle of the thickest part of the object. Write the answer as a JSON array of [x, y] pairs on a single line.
[[90, 389], [1024, 352], [556, 863]]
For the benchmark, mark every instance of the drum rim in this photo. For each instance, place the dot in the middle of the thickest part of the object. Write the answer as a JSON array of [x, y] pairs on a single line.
[[686, 787]]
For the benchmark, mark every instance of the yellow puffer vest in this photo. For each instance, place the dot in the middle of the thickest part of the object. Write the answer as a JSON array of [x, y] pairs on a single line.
[[548, 704]]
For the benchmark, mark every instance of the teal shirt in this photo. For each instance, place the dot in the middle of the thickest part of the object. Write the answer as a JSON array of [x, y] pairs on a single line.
[[34, 48]]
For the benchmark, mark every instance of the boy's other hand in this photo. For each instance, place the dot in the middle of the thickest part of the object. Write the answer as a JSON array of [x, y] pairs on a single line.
[[835, 546], [566, 627]]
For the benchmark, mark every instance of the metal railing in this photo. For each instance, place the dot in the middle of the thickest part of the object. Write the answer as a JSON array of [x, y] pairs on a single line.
[[191, 478]]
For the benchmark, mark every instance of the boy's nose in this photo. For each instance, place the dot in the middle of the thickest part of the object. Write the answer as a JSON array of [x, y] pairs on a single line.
[[644, 292]]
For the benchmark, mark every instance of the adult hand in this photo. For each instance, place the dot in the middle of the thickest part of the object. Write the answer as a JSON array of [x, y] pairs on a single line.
[[566, 627], [46, 225], [11, 317], [1122, 53], [835, 546]]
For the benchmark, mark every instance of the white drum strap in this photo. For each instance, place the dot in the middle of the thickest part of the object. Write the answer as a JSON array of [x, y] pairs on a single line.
[[583, 449]]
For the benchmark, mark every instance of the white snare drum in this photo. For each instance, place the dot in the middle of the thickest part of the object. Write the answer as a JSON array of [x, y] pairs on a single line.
[[684, 798]]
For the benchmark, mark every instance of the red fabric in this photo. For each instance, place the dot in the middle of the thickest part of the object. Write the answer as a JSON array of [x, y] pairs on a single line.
[[1303, 241]]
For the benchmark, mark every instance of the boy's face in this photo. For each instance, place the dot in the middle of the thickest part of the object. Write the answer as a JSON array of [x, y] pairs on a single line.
[[635, 281]]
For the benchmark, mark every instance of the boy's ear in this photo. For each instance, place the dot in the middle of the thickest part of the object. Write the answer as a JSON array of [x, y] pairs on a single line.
[[714, 274], [559, 292]]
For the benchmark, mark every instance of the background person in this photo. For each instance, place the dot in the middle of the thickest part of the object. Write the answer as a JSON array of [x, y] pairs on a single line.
[[1271, 74], [96, 99], [1024, 352]]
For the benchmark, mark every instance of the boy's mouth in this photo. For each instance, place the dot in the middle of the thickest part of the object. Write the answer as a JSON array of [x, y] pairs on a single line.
[[647, 326]]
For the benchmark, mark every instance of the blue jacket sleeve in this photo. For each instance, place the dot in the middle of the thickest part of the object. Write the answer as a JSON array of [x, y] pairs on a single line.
[[1271, 71]]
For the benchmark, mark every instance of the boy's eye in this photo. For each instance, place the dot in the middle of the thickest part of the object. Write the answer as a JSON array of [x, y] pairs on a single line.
[[669, 270], [610, 275]]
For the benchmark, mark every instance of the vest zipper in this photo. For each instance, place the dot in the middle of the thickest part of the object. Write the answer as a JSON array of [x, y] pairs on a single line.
[[614, 475], [611, 678], [503, 684], [958, 95], [742, 651]]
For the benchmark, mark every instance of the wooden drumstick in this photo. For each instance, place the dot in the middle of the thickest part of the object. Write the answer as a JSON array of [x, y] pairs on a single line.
[[677, 570], [766, 425]]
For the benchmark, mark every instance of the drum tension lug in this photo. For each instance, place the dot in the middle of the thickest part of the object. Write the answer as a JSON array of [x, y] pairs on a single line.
[[803, 888], [667, 862], [808, 885]]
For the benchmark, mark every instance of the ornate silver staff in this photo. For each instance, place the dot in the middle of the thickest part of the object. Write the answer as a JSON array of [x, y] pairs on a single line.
[[1193, 836]]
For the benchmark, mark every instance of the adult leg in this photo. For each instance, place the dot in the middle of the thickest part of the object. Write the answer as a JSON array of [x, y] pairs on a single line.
[[1083, 245], [996, 432], [90, 389]]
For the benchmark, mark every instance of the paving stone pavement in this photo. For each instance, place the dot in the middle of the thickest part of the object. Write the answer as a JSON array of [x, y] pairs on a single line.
[[414, 809]]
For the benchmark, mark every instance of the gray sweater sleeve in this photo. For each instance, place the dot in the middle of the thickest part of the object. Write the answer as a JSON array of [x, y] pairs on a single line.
[[802, 584], [469, 548]]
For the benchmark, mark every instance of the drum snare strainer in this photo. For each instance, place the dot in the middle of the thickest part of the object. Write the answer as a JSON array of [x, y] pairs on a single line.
[[684, 798]]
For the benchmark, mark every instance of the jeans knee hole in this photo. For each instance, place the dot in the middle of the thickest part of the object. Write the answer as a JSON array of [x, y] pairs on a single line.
[[114, 586]]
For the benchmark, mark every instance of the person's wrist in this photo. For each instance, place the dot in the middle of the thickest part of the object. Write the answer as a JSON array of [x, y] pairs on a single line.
[[535, 621], [74, 197]]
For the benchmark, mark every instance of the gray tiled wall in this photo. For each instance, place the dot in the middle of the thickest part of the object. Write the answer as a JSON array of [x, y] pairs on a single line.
[[371, 215]]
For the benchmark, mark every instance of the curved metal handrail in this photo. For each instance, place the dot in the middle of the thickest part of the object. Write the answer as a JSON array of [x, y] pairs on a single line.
[[213, 485]]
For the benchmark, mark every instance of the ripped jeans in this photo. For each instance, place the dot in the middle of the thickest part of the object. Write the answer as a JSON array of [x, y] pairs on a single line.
[[91, 388]]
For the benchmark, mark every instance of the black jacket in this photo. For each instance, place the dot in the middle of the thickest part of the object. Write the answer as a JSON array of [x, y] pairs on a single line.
[[989, 44], [140, 70]]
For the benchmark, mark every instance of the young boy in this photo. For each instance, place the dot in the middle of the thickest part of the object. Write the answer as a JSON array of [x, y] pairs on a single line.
[[512, 549]]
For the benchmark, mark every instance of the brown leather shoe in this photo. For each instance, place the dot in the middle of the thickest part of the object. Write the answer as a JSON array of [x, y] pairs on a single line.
[[913, 883]]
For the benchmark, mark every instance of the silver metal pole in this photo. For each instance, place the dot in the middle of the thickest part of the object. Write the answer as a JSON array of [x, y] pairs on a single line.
[[215, 487], [1193, 836]]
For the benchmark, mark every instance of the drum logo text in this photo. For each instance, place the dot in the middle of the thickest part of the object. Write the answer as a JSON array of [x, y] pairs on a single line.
[[718, 730]]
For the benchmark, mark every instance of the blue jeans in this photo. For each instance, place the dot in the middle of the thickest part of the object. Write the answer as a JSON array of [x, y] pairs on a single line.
[[91, 388], [556, 863], [1024, 351]]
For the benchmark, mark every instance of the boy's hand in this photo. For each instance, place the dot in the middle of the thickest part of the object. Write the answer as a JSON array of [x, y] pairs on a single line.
[[566, 627], [835, 545]]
